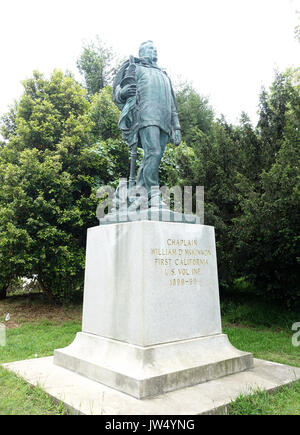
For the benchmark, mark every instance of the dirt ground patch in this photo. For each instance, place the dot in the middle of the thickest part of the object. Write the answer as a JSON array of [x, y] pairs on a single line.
[[33, 308]]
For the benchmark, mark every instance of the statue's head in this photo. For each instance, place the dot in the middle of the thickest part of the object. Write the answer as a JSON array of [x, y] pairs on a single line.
[[148, 50]]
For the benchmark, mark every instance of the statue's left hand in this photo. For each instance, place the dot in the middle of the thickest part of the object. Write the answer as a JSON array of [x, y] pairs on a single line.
[[128, 91], [177, 137]]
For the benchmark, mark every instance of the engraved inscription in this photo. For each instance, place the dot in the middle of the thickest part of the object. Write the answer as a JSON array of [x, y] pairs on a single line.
[[181, 261]]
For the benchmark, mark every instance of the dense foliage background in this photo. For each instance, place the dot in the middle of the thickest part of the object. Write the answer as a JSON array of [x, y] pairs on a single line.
[[61, 142]]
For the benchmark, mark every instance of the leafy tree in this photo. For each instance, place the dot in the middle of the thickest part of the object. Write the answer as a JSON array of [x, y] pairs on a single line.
[[218, 163], [105, 115], [251, 152], [96, 64], [195, 114], [8, 124], [176, 165], [272, 117], [110, 146], [267, 231], [47, 173]]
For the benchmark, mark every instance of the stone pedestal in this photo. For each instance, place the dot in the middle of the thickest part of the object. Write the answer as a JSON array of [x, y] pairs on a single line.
[[151, 313]]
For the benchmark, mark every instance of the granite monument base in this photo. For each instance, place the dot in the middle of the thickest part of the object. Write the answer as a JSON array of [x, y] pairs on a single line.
[[151, 313], [144, 372]]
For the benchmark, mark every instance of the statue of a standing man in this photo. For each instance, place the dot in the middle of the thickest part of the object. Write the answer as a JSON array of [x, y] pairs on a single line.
[[149, 118]]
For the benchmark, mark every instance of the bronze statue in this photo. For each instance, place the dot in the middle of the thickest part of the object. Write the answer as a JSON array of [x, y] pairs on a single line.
[[149, 117]]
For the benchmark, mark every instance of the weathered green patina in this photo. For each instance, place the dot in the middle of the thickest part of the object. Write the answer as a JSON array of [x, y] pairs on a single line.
[[149, 117]]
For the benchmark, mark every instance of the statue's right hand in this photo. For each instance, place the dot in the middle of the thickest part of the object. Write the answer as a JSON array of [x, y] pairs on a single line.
[[128, 91]]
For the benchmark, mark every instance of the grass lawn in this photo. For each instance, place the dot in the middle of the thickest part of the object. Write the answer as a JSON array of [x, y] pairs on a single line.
[[266, 331], [36, 328]]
